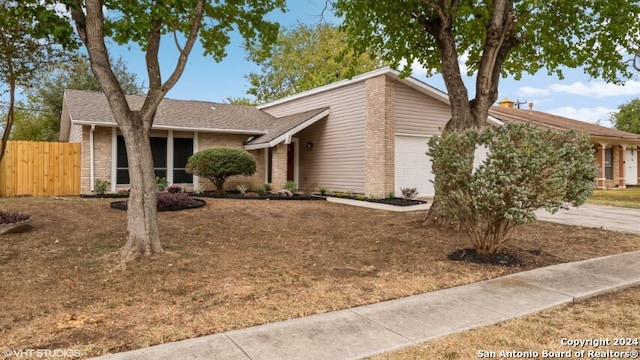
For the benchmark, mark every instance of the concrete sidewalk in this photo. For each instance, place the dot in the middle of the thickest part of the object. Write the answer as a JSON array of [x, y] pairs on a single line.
[[612, 218], [368, 330]]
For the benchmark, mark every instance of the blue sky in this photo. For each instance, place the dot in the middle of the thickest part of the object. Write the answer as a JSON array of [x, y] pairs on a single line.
[[576, 96]]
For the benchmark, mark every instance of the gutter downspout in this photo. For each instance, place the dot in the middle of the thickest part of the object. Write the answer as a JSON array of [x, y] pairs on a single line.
[[91, 166]]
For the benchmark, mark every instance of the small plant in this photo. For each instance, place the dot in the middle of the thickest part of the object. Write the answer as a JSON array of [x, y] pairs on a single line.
[[101, 186], [391, 195], [323, 191], [291, 186], [183, 188], [409, 193], [123, 192], [12, 217], [173, 200], [261, 190], [198, 189], [267, 187], [341, 195], [175, 189], [162, 183], [284, 193], [360, 197], [242, 188]]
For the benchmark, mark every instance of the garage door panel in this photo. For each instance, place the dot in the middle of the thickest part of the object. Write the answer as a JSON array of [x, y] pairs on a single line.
[[412, 165]]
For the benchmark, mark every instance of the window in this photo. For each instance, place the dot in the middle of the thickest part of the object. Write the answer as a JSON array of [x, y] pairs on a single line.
[[608, 164], [182, 150]]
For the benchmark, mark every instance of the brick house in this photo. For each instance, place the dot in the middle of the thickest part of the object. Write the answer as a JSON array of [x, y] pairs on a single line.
[[364, 135], [615, 151]]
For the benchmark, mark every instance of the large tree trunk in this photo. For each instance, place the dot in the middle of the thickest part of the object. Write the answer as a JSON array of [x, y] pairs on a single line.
[[10, 116], [142, 224]]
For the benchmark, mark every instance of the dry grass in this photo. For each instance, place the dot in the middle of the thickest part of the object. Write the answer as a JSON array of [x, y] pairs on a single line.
[[609, 316], [234, 264], [617, 197]]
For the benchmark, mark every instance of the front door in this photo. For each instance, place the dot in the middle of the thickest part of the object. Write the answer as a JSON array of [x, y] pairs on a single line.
[[631, 167]]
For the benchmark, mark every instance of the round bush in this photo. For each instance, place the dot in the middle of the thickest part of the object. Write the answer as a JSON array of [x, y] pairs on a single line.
[[217, 164]]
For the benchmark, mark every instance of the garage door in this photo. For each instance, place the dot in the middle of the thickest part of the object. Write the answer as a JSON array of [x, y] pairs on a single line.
[[413, 167]]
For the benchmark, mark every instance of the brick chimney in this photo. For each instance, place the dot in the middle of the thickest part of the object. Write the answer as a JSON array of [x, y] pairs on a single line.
[[506, 103], [530, 106]]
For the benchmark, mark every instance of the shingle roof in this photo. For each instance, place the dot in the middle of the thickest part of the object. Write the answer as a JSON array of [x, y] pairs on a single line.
[[92, 107], [285, 124], [559, 122]]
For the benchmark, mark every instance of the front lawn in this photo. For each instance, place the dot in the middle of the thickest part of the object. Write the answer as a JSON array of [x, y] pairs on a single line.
[[234, 264], [617, 197]]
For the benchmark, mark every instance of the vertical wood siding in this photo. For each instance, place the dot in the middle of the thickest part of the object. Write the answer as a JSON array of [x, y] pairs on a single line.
[[40, 169]]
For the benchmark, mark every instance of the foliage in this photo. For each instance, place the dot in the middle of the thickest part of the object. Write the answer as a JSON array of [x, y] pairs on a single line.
[[291, 186], [241, 101], [175, 188], [409, 193], [628, 117], [101, 186], [198, 189], [173, 200], [217, 164], [323, 190], [360, 197], [267, 187], [242, 188], [527, 168], [305, 57], [44, 97], [284, 193], [12, 217], [162, 183], [32, 36], [391, 195], [261, 190]]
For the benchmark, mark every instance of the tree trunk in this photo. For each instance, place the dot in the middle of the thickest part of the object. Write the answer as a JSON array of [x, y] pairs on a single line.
[[142, 225], [10, 117]]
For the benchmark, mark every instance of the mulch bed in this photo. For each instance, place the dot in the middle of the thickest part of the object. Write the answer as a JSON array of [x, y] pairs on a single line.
[[501, 259], [394, 201], [195, 203]]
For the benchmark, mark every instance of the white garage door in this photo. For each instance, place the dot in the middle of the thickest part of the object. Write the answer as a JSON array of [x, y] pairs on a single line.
[[631, 169], [413, 167]]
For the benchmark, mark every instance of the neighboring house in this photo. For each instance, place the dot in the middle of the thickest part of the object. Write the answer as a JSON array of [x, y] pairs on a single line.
[[365, 135], [615, 151]]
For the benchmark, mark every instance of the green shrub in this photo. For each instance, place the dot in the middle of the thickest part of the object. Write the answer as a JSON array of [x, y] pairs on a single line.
[[261, 190], [217, 164], [526, 168], [101, 186], [391, 195], [162, 183], [291, 186], [323, 190], [267, 187], [360, 197]]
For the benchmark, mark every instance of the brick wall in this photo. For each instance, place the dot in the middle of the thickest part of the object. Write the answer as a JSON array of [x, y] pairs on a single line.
[[101, 155], [279, 166], [379, 136]]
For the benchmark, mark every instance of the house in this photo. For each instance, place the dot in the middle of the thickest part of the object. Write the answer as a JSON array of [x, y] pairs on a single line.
[[615, 151], [364, 135]]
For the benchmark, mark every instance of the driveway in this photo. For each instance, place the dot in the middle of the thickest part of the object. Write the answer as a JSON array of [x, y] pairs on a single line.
[[605, 217]]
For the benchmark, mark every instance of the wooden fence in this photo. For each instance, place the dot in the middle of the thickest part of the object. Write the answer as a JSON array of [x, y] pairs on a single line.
[[40, 169]]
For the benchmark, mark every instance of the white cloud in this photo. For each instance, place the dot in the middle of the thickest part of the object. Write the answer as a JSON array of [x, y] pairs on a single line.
[[595, 89], [597, 115]]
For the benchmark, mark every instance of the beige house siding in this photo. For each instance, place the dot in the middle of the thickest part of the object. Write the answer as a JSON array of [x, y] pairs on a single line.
[[418, 114], [75, 134], [336, 160]]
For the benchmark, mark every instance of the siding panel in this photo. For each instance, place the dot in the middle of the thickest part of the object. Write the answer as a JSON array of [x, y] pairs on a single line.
[[419, 114], [336, 160]]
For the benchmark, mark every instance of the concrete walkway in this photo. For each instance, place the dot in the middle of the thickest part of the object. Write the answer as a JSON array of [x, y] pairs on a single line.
[[368, 330], [599, 216]]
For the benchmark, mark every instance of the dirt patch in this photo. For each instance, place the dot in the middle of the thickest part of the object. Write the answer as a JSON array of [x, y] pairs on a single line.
[[234, 264]]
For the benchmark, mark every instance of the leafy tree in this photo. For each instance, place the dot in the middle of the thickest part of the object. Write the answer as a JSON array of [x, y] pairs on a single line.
[[241, 101], [31, 37], [497, 37], [45, 97], [304, 58], [527, 168], [628, 118], [217, 164], [145, 23]]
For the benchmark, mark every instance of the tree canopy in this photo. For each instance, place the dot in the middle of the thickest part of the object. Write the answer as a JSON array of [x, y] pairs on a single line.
[[628, 117], [40, 121], [32, 36], [305, 57]]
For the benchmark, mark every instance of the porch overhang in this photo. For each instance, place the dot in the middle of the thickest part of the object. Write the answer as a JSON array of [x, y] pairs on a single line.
[[288, 135]]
